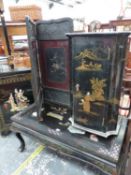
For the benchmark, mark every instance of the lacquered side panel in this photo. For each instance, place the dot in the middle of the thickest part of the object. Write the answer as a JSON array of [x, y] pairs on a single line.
[[33, 50]]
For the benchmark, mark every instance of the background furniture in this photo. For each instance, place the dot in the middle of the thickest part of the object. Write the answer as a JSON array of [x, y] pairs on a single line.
[[9, 81], [13, 28]]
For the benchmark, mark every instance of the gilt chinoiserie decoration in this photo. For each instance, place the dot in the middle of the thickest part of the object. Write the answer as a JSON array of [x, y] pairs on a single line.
[[97, 69]]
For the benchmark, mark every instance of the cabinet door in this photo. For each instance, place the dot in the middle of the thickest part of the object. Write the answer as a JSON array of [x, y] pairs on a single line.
[[33, 49], [97, 66]]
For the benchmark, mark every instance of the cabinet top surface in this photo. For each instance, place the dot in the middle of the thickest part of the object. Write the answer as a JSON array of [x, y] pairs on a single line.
[[97, 33]]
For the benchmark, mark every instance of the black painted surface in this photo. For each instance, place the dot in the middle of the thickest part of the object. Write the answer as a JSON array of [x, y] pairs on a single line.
[[54, 29], [105, 152], [97, 68]]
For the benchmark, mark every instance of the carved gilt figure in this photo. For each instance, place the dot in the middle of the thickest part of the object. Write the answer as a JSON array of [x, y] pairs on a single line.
[[18, 101], [11, 101], [21, 100]]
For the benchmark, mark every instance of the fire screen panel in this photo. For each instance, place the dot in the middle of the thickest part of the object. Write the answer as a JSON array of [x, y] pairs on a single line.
[[55, 64]]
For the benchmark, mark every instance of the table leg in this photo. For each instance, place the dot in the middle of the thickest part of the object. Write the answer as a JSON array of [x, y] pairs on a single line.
[[22, 142]]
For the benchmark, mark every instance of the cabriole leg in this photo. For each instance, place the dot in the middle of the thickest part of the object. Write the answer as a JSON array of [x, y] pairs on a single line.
[[22, 142]]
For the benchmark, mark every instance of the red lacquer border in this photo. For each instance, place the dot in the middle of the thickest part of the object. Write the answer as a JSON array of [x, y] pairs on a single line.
[[43, 45]]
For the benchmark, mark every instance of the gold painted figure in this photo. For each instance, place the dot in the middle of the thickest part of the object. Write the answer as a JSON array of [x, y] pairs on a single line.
[[97, 94], [86, 102]]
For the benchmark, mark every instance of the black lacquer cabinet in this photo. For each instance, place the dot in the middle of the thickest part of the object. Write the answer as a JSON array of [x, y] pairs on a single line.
[[97, 70], [76, 80]]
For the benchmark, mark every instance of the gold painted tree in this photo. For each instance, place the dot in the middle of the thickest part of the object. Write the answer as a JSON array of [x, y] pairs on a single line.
[[97, 89]]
